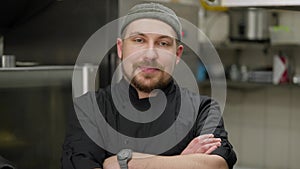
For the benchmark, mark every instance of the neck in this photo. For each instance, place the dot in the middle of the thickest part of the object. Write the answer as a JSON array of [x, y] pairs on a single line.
[[143, 95]]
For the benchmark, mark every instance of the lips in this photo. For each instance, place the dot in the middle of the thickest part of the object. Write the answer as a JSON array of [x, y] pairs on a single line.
[[146, 69]]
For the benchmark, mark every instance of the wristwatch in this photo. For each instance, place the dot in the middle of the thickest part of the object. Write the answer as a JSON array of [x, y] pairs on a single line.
[[124, 156]]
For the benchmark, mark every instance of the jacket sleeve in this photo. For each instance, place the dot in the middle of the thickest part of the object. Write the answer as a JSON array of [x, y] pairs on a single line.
[[79, 151], [210, 120]]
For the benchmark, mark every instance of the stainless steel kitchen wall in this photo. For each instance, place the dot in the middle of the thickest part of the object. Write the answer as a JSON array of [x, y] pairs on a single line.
[[33, 117], [56, 34], [32, 125]]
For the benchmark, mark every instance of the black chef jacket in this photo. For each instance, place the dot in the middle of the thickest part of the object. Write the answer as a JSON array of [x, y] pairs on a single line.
[[80, 152]]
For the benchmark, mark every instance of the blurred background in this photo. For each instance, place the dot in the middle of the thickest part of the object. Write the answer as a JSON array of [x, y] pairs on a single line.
[[257, 41]]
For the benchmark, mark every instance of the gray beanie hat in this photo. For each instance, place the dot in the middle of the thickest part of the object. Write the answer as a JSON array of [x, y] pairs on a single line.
[[153, 11]]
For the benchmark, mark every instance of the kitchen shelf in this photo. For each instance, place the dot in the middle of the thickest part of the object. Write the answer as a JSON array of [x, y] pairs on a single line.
[[246, 85], [254, 3], [253, 45], [242, 45], [39, 76]]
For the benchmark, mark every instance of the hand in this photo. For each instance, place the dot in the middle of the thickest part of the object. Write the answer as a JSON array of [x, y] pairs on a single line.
[[111, 163], [202, 144]]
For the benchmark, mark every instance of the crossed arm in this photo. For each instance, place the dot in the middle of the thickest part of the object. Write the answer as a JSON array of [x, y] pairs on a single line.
[[79, 151], [195, 156]]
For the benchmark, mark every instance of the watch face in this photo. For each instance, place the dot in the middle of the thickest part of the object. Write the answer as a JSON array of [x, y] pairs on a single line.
[[124, 154]]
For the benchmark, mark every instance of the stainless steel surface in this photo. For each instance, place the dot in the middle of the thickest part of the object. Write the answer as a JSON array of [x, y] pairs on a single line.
[[33, 125], [49, 76], [8, 61], [36, 100], [34, 105], [250, 24], [39, 76], [245, 3], [36, 41], [86, 79], [46, 76]]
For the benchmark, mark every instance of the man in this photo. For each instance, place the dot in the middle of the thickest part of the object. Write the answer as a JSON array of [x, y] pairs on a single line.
[[150, 49]]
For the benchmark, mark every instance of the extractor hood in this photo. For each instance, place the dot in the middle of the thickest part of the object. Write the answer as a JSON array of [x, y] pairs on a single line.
[[255, 3]]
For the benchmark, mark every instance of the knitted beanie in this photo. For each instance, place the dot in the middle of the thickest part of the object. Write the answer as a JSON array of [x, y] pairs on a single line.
[[153, 11]]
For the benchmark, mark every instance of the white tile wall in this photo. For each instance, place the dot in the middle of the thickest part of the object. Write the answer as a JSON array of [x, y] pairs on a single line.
[[253, 108], [252, 140], [276, 147], [294, 130], [278, 107], [264, 126], [294, 149]]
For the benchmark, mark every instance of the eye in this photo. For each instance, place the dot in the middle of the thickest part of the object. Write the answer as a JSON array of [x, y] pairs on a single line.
[[163, 43], [139, 40]]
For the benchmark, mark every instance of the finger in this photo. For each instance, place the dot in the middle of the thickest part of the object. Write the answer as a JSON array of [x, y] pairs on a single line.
[[206, 147], [196, 143], [205, 136], [199, 140], [211, 140], [192, 146], [211, 149]]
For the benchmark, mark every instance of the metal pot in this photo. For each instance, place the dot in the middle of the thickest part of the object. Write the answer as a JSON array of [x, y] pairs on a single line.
[[249, 24]]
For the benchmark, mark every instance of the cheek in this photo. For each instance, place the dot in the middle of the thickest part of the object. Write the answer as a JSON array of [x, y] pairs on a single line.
[[167, 60], [128, 61], [131, 53], [169, 64]]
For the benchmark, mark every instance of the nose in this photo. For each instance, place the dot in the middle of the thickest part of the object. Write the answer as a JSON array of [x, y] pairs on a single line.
[[151, 53]]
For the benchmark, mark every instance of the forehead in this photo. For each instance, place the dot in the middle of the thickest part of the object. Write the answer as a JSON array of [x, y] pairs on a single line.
[[152, 26]]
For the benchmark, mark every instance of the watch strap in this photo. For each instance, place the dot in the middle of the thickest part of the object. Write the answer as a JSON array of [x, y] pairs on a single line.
[[123, 157], [123, 164]]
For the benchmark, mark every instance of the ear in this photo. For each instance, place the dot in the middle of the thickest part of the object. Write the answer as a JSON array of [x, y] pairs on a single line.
[[120, 47], [179, 52]]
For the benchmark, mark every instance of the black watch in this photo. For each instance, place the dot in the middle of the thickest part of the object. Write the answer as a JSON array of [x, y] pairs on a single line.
[[123, 157]]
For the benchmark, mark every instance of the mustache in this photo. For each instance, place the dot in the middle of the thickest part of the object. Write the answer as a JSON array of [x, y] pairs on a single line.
[[152, 64]]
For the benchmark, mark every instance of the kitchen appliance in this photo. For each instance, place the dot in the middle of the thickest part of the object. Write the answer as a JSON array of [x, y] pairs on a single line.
[[245, 3], [260, 76], [249, 24], [8, 61]]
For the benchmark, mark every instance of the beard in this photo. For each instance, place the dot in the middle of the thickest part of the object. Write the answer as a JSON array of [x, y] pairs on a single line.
[[146, 82]]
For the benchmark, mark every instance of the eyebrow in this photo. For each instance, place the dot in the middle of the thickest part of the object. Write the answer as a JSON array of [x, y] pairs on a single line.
[[143, 34], [166, 36], [136, 33]]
